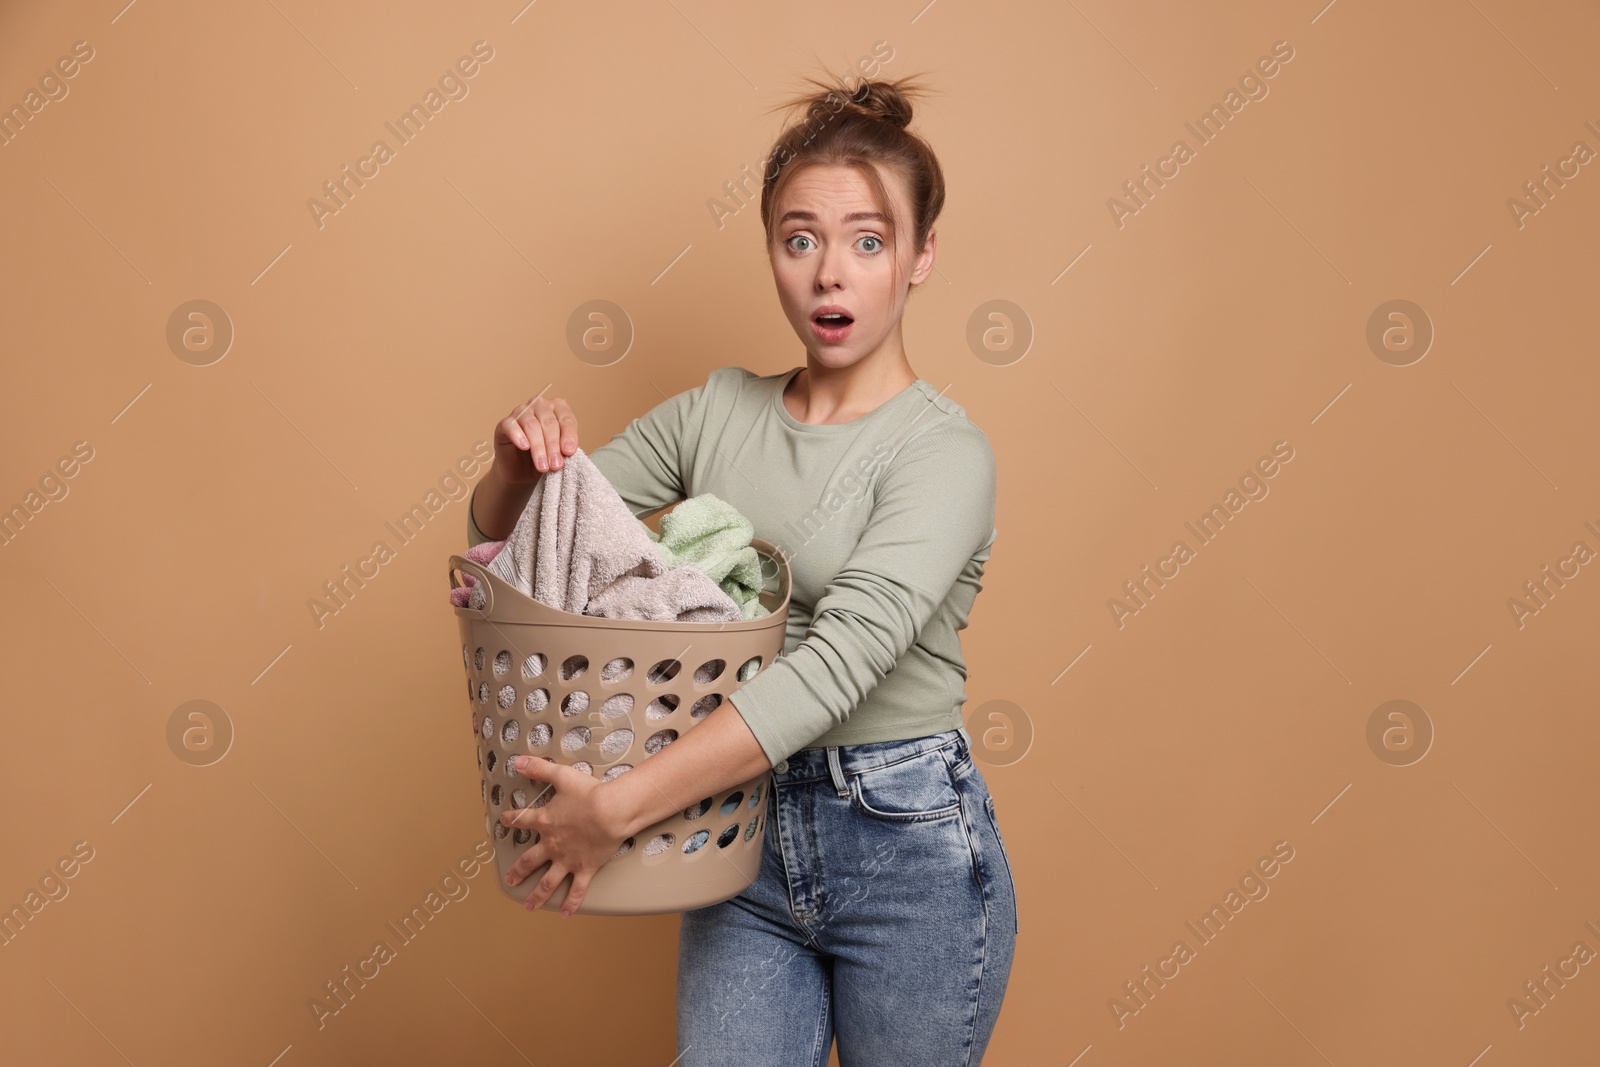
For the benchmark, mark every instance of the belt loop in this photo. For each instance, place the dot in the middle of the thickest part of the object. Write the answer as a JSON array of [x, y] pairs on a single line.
[[836, 772]]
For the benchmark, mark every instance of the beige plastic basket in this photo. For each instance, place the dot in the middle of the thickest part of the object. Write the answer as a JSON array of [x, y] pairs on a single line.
[[603, 694]]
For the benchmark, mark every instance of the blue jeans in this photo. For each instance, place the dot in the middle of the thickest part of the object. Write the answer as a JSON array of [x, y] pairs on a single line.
[[885, 910]]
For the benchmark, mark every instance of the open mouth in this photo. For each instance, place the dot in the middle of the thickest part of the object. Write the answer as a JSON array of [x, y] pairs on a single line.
[[833, 321]]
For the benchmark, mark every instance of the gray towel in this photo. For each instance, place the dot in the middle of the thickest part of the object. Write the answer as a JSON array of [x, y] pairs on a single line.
[[577, 548]]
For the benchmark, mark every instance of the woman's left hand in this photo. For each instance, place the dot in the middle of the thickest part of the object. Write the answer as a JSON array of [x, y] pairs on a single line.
[[573, 833]]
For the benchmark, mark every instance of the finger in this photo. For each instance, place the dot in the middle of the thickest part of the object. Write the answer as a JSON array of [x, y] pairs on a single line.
[[575, 894], [521, 818], [526, 864], [538, 768], [530, 419], [551, 429], [569, 426], [547, 885], [512, 429]]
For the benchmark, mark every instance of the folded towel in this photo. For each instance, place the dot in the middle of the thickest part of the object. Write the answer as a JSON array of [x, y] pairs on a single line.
[[708, 533], [577, 548]]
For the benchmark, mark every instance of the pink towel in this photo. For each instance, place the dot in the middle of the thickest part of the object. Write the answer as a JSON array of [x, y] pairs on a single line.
[[478, 554]]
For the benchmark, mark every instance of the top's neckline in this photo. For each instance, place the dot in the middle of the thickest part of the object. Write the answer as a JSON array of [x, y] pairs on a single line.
[[827, 427]]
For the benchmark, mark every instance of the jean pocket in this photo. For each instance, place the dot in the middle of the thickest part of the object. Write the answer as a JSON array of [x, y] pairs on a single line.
[[914, 790]]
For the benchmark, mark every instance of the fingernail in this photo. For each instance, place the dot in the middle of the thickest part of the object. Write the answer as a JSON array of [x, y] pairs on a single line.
[[566, 915], [509, 880], [520, 762]]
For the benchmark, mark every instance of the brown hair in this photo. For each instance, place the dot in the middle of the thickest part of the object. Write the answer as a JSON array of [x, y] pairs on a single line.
[[862, 127]]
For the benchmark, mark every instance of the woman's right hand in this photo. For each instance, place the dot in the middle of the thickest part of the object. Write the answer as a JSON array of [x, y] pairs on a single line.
[[535, 438]]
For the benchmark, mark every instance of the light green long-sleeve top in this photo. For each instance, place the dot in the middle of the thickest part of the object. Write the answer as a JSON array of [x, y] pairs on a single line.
[[887, 521]]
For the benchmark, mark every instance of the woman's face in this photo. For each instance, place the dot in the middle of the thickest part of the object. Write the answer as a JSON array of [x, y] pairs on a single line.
[[832, 249]]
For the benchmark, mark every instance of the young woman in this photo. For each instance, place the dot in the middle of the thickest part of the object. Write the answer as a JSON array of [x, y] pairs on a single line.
[[885, 909]]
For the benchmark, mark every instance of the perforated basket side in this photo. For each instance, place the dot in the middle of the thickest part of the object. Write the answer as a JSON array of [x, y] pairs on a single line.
[[604, 695]]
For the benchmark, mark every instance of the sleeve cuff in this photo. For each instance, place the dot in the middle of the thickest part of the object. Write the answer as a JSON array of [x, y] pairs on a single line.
[[475, 536]]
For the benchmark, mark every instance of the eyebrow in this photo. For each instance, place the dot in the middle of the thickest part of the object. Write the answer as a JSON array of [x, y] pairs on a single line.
[[854, 216]]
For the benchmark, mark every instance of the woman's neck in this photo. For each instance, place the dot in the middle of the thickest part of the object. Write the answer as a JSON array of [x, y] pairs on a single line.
[[821, 395]]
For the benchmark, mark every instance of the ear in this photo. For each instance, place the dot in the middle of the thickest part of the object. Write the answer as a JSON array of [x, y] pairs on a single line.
[[923, 265]]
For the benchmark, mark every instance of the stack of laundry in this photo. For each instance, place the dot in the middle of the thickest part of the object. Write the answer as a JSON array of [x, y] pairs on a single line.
[[578, 548]]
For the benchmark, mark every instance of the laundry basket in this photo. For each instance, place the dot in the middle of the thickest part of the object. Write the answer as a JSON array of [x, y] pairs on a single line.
[[603, 695]]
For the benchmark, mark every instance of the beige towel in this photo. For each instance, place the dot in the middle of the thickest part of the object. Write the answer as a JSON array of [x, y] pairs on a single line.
[[577, 548]]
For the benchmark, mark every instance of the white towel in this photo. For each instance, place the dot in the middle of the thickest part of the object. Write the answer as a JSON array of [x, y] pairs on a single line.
[[577, 548]]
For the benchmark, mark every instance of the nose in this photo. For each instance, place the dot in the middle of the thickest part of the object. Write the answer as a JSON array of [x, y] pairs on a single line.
[[827, 270]]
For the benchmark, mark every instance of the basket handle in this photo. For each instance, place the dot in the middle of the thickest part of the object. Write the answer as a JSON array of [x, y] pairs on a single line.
[[480, 576]]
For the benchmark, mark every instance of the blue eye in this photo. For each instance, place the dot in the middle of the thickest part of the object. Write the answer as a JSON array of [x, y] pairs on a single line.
[[796, 237], [872, 251]]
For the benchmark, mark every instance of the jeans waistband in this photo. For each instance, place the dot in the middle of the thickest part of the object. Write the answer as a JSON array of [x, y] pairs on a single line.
[[836, 761]]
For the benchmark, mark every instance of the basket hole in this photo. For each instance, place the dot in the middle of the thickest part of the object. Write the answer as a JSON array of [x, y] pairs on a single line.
[[731, 805], [616, 742], [615, 770], [705, 705], [533, 666], [543, 797], [575, 702], [480, 757], [575, 738], [573, 667], [616, 670], [750, 831], [755, 795], [585, 766], [469, 688], [483, 692], [539, 735], [664, 671], [659, 740], [661, 706], [728, 836], [510, 766], [507, 696], [483, 792], [496, 795], [477, 659], [487, 762], [466, 658], [748, 669], [509, 732], [501, 830], [519, 798], [487, 727], [699, 838], [658, 844], [624, 847], [522, 835], [502, 662], [709, 671], [614, 706], [536, 701], [476, 726], [697, 809]]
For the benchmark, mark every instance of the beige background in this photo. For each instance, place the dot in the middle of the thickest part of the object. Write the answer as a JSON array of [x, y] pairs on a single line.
[[1135, 789]]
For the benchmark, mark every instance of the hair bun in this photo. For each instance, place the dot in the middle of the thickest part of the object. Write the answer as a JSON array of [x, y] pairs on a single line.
[[882, 100]]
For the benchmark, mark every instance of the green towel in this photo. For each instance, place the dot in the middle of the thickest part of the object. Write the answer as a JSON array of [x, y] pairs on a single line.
[[707, 532]]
